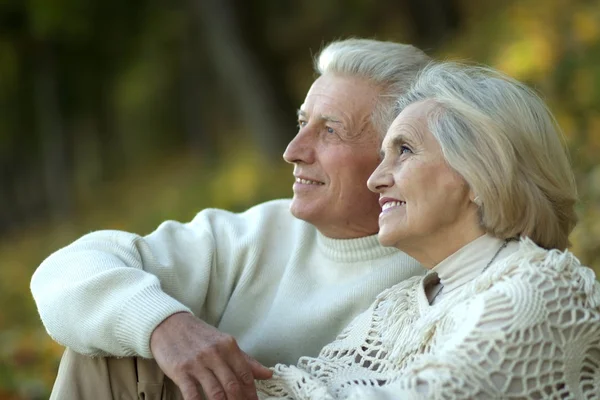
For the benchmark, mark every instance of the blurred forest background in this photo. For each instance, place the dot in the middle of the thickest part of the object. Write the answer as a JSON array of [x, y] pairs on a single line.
[[121, 114]]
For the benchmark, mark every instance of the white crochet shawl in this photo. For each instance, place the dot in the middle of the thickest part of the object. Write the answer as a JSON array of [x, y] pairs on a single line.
[[528, 327]]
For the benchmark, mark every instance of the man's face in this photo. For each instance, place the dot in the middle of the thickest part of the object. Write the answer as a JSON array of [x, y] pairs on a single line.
[[334, 152]]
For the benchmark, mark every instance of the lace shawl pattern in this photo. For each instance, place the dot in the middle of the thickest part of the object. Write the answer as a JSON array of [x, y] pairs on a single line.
[[527, 328]]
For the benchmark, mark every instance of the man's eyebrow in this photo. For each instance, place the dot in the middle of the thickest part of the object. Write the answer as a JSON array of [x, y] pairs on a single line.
[[322, 117], [330, 118]]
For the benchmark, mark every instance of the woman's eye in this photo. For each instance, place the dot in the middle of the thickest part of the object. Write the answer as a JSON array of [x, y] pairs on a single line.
[[330, 130], [301, 124]]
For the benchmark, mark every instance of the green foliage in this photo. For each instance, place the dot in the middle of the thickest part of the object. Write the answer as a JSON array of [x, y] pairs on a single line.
[[59, 17]]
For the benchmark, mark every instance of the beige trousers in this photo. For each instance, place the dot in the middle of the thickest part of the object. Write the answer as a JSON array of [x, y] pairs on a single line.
[[85, 378]]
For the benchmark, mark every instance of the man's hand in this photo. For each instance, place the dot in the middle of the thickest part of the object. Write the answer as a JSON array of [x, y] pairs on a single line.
[[193, 354]]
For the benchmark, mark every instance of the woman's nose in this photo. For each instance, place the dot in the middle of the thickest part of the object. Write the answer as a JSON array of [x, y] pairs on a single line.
[[380, 179]]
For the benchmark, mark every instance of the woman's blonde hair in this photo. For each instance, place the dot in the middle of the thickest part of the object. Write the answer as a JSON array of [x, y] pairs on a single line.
[[500, 136]]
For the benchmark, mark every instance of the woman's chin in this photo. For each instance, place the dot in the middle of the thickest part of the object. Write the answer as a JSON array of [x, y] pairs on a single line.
[[387, 239]]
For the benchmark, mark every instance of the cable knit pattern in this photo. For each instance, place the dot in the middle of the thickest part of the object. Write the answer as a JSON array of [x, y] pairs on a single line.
[[528, 327]]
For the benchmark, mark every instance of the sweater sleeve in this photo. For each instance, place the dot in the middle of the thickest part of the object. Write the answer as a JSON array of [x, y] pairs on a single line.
[[105, 293]]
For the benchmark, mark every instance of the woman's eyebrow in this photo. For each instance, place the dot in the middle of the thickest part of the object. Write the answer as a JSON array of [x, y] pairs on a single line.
[[395, 142]]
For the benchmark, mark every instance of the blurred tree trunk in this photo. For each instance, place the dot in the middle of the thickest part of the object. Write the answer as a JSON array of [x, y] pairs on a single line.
[[8, 208], [276, 62], [57, 179], [22, 192], [193, 88], [111, 155], [238, 68]]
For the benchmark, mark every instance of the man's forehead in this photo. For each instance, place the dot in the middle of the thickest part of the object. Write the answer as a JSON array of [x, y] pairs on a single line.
[[340, 92], [329, 103]]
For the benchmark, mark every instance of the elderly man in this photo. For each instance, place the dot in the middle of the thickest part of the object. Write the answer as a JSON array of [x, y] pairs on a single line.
[[212, 299]]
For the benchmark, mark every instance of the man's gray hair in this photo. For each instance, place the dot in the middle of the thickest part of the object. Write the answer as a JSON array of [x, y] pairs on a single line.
[[390, 66]]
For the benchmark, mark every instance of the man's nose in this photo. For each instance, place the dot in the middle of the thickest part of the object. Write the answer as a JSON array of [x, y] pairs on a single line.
[[302, 148]]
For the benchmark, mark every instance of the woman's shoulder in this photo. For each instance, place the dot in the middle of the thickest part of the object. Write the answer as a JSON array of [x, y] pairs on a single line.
[[544, 272], [534, 285]]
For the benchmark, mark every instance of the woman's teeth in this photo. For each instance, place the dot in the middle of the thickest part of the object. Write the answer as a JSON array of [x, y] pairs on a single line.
[[391, 204]]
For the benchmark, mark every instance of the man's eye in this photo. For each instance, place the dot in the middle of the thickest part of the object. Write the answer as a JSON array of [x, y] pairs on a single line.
[[330, 130], [405, 149], [301, 124]]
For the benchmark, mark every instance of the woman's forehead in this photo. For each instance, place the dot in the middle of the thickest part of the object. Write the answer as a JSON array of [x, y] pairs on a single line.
[[410, 124]]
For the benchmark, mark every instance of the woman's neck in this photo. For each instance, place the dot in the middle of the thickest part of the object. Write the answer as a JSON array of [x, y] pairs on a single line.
[[433, 250], [468, 262]]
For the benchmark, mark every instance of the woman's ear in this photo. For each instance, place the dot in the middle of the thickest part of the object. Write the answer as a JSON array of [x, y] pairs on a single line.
[[474, 198]]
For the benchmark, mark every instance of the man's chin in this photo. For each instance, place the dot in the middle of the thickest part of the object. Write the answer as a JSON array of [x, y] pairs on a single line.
[[301, 210]]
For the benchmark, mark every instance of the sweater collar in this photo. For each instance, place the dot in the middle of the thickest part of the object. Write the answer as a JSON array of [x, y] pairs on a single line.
[[353, 250], [469, 261]]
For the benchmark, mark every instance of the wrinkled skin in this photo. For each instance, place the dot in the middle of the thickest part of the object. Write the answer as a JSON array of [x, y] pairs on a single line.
[[193, 354]]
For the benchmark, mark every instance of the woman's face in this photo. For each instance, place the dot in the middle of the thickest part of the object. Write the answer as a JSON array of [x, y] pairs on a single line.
[[426, 206]]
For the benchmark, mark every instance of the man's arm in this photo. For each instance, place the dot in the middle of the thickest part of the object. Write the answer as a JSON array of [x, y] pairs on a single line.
[[105, 293], [109, 291]]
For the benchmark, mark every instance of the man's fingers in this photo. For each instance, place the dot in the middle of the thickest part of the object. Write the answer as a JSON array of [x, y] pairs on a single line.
[[227, 380], [213, 389], [242, 369], [190, 390], [259, 371]]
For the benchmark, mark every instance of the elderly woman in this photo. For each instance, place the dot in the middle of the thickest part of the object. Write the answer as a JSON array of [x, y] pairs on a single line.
[[476, 185]]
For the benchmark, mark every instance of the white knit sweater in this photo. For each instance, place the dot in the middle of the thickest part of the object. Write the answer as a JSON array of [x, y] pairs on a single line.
[[271, 280], [527, 327]]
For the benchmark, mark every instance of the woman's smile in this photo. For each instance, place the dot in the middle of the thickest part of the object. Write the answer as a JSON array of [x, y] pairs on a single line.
[[388, 204]]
